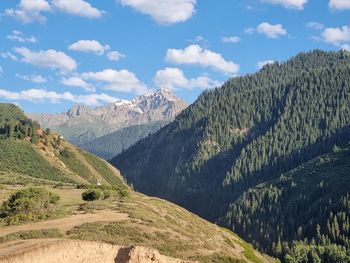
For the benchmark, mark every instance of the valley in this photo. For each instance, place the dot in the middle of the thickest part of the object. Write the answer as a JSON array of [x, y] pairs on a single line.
[[123, 218], [289, 113], [174, 131]]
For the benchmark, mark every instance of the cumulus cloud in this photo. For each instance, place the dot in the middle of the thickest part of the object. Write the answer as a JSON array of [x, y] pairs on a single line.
[[231, 39], [271, 31], [336, 35], [164, 11], [78, 82], [33, 78], [28, 11], [339, 4], [123, 80], [42, 95], [20, 37], [174, 78], [195, 55], [315, 25], [261, 64], [89, 46], [77, 7], [293, 4], [51, 59], [115, 55]]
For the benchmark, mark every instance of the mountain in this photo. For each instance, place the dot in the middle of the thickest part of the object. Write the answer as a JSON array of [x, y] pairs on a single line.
[[81, 124], [123, 224], [250, 131], [110, 145], [311, 201]]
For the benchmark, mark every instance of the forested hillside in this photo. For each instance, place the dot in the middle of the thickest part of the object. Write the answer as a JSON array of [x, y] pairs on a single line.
[[249, 131], [14, 124], [310, 204], [114, 143]]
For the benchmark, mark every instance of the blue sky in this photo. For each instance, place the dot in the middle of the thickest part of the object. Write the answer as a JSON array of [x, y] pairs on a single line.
[[56, 53]]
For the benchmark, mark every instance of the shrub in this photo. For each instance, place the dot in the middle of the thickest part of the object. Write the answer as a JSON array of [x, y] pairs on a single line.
[[92, 195], [102, 192], [66, 153], [29, 204]]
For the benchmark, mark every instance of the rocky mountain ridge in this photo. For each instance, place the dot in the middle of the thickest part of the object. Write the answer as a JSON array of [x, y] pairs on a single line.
[[81, 122]]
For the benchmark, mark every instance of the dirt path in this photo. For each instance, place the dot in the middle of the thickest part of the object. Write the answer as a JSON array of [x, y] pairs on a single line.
[[67, 223]]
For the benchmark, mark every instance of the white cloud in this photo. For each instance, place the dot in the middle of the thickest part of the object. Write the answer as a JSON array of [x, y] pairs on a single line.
[[164, 11], [294, 4], [8, 55], [249, 30], [261, 64], [42, 95], [271, 31], [115, 55], [78, 82], [20, 37], [33, 78], [51, 59], [200, 40], [196, 55], [95, 99], [231, 39], [336, 35], [28, 11], [89, 46], [315, 25], [123, 80], [339, 4], [174, 78], [77, 7], [345, 47]]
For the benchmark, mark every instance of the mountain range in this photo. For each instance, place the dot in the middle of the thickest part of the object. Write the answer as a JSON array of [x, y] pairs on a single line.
[[243, 155], [81, 124]]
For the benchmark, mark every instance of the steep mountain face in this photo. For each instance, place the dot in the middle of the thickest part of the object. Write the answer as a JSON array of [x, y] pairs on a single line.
[[110, 145], [249, 131], [129, 219], [81, 123]]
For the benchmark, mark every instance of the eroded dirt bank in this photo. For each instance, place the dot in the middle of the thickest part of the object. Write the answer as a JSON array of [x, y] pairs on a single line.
[[75, 251]]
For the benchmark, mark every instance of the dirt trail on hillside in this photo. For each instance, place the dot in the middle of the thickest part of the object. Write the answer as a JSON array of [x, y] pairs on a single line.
[[75, 251], [67, 223]]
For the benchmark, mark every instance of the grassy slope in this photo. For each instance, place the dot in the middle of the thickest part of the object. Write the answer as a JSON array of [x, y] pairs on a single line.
[[11, 111], [152, 222], [20, 157]]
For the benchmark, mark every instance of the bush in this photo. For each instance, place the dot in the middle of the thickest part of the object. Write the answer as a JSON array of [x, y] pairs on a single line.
[[101, 192], [66, 153], [92, 195], [29, 204]]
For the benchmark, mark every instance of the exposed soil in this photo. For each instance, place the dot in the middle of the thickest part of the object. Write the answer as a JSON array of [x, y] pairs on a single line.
[[74, 251], [67, 223]]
